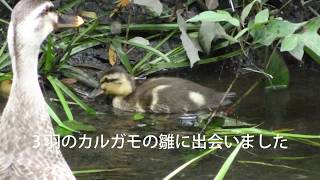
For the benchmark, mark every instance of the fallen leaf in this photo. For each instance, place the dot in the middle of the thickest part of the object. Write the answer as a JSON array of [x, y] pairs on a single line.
[[215, 16], [68, 81], [112, 56], [140, 40], [154, 5]]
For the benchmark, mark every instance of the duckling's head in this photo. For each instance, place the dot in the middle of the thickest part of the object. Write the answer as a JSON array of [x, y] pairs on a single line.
[[33, 20], [117, 82]]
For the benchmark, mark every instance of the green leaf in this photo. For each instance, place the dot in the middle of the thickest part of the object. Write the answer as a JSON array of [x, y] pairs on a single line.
[[298, 51], [147, 57], [312, 54], [148, 48], [4, 56], [80, 126], [83, 46], [262, 17], [310, 36], [266, 34], [138, 116], [246, 10], [122, 55], [227, 164], [241, 33], [80, 75], [62, 131], [192, 49], [289, 43], [68, 6], [208, 32], [49, 56], [218, 16], [79, 36], [74, 97], [188, 163], [61, 97], [279, 70], [56, 118]]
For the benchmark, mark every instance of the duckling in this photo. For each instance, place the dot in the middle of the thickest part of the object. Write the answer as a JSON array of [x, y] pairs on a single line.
[[158, 95], [25, 125], [5, 88]]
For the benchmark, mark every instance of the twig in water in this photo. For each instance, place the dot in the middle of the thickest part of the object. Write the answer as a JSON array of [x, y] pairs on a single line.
[[213, 114]]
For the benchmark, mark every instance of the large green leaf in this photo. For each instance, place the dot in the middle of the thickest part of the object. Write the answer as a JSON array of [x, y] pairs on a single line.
[[279, 71], [310, 36], [218, 16], [306, 41], [275, 29], [191, 47]]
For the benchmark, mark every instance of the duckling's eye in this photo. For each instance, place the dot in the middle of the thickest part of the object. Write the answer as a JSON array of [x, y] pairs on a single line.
[[110, 80]]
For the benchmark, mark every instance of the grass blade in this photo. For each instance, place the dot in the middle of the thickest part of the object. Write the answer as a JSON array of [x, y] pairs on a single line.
[[149, 54], [74, 97], [56, 118], [122, 55], [151, 49], [6, 4], [180, 168], [61, 97], [226, 165]]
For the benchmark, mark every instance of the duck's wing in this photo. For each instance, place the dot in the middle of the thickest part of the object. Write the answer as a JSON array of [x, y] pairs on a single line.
[[5, 163], [40, 165]]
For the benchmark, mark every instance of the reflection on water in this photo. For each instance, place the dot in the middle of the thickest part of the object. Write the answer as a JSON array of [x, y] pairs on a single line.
[[295, 108]]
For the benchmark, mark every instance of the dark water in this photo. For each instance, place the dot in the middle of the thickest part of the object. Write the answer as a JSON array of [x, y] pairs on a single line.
[[295, 108]]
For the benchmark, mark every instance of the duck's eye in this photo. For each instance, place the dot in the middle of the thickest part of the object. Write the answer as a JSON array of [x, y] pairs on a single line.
[[47, 10]]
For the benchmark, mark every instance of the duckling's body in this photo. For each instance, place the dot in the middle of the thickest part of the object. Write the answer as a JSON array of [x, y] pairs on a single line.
[[158, 95]]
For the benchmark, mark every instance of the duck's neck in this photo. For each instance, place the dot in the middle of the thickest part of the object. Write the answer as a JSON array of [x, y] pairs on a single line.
[[24, 59]]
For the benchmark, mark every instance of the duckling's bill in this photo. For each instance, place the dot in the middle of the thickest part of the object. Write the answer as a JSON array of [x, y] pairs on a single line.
[[68, 21]]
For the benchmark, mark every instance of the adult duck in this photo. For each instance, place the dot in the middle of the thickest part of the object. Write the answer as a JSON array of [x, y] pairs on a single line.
[[25, 125]]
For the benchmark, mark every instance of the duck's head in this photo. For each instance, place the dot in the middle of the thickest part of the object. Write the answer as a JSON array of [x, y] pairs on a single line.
[[33, 20], [117, 82]]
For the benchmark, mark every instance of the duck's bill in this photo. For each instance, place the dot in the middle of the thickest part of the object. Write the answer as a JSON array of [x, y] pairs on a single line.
[[67, 21]]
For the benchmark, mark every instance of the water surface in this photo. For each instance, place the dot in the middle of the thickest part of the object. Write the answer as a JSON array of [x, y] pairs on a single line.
[[295, 108]]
